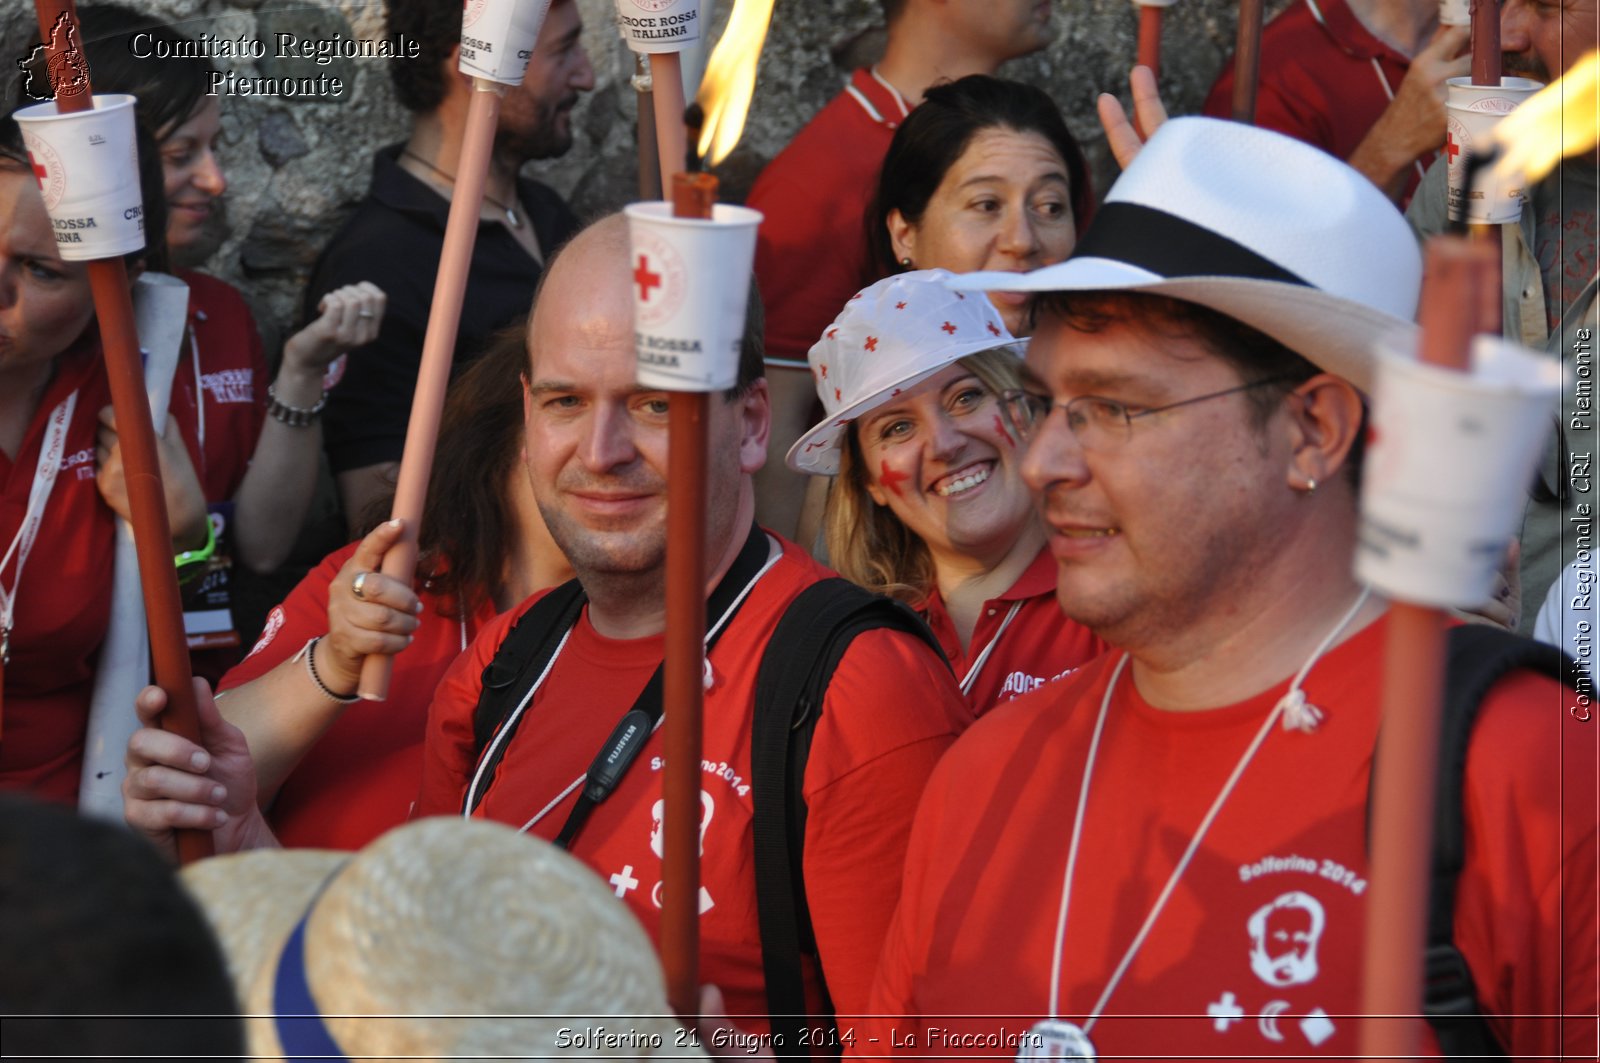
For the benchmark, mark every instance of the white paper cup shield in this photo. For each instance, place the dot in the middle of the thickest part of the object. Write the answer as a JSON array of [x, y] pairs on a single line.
[[691, 281], [1471, 112], [497, 37], [1448, 461], [87, 166], [658, 25], [1455, 12]]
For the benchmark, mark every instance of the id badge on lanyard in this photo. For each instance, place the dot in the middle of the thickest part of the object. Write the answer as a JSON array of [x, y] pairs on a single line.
[[208, 596]]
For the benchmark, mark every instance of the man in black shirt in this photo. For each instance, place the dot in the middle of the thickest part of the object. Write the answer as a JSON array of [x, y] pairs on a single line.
[[395, 237]]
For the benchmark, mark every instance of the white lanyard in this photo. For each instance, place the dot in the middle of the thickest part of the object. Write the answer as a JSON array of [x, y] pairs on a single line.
[[199, 399], [866, 104], [774, 553], [983, 658], [1298, 716], [1377, 68], [44, 481]]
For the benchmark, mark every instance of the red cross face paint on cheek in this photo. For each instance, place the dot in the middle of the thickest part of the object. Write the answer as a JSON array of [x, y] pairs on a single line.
[[891, 478], [1003, 432]]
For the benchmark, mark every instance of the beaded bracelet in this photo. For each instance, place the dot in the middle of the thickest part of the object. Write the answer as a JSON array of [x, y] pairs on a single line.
[[311, 670]]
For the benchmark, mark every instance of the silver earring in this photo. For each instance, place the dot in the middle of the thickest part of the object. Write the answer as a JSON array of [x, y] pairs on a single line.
[[906, 262], [1311, 485]]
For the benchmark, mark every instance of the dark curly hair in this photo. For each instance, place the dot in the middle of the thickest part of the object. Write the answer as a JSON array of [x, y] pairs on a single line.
[[435, 27]]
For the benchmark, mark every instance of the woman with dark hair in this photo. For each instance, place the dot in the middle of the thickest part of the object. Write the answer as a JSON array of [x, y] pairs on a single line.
[[982, 175], [928, 503], [254, 445], [334, 771]]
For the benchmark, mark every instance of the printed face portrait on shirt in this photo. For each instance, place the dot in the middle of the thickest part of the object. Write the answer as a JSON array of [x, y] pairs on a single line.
[[45, 302], [1284, 937], [942, 459], [1005, 204], [596, 440], [536, 117]]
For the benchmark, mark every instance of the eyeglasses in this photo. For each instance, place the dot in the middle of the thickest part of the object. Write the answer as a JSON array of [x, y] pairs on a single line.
[[1098, 424]]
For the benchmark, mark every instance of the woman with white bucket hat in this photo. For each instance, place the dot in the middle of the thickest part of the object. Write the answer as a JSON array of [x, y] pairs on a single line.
[[929, 505]]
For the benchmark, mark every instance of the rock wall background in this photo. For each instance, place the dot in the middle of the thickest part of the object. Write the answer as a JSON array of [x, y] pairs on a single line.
[[296, 166]]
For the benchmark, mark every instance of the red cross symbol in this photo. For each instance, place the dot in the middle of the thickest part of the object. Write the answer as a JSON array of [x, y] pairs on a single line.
[[950, 330], [838, 396], [994, 328], [1451, 148], [891, 478], [833, 332], [824, 367], [871, 344], [899, 306], [39, 173], [645, 279]]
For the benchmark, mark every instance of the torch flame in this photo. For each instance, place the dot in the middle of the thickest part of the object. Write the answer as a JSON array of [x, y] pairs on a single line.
[[730, 79], [1559, 121]]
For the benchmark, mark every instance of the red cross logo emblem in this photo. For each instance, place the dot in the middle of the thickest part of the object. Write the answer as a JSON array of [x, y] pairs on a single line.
[[824, 367], [900, 306], [871, 344], [994, 328], [645, 279], [949, 329], [39, 172], [1451, 148]]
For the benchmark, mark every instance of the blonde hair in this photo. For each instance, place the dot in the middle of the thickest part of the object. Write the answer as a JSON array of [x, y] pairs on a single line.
[[867, 543]]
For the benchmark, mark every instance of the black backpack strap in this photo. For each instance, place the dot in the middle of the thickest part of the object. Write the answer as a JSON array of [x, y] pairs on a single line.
[[1478, 657], [805, 648], [523, 654]]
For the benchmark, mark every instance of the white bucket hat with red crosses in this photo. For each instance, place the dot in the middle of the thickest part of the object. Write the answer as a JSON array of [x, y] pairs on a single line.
[[890, 337]]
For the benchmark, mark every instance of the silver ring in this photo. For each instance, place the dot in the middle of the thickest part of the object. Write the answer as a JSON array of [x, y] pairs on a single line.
[[358, 585], [365, 313]]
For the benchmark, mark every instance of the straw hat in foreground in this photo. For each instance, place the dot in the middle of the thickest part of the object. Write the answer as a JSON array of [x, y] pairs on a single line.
[[444, 939]]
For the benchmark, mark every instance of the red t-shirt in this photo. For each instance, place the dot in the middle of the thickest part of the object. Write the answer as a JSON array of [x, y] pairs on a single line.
[[1317, 82], [873, 749], [811, 252], [61, 603], [1036, 645], [219, 392], [62, 606], [1258, 950], [360, 778]]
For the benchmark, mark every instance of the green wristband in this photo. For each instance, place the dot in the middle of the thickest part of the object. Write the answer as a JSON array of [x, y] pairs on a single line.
[[205, 553]]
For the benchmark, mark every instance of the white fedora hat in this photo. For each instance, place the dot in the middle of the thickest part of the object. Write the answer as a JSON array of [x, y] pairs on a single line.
[[1258, 226], [444, 939], [891, 336]]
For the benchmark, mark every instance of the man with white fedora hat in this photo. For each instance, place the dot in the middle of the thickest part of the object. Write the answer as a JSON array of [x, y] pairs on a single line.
[[1166, 853]]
